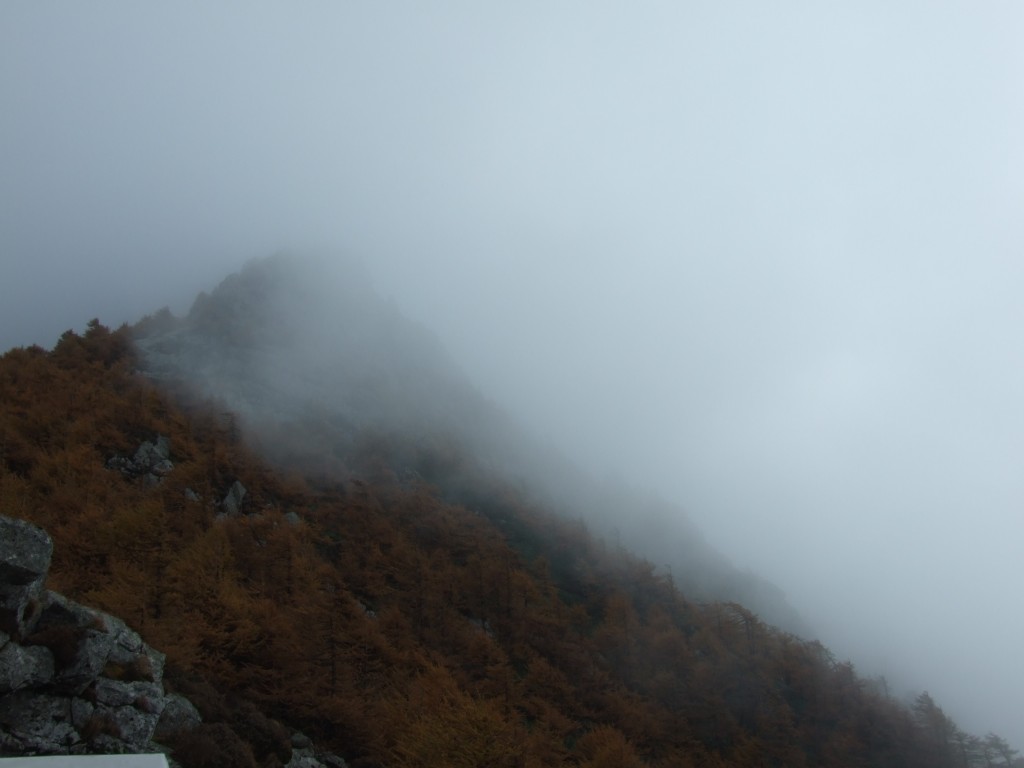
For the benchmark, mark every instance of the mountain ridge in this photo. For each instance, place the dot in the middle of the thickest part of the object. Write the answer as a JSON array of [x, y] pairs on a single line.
[[279, 344], [398, 625]]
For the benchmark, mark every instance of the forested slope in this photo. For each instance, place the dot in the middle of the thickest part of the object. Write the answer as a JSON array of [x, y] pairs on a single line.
[[319, 371], [400, 628]]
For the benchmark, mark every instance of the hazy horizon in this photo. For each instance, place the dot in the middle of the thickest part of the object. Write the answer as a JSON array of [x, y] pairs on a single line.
[[766, 262]]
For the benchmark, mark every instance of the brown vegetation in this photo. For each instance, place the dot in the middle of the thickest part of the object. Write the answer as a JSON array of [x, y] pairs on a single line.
[[403, 630]]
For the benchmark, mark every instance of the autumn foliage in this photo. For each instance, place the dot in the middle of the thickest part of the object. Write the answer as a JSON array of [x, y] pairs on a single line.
[[398, 626]]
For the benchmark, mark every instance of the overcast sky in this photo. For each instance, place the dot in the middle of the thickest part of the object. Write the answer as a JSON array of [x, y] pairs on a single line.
[[763, 258]]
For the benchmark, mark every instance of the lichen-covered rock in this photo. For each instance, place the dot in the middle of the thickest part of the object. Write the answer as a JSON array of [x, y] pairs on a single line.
[[115, 693], [150, 454], [304, 758], [23, 667], [151, 461], [80, 652], [179, 715], [154, 459], [304, 755], [34, 722], [87, 644], [108, 744], [81, 713], [134, 726], [232, 503], [25, 552], [57, 610], [130, 658]]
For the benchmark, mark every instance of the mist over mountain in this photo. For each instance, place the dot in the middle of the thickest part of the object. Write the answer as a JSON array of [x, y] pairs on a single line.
[[279, 338], [762, 263], [315, 364], [385, 589]]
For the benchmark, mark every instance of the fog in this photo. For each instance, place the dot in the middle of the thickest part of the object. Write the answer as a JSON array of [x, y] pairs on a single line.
[[763, 260]]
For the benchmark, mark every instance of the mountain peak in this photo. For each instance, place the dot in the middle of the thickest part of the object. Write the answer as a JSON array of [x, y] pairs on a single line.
[[285, 333], [314, 363], [441, 615]]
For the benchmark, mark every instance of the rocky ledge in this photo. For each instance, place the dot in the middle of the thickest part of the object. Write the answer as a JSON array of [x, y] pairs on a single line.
[[74, 680]]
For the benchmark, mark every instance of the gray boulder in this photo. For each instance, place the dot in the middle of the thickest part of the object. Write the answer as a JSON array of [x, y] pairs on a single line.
[[115, 693], [151, 461], [309, 758], [58, 611], [25, 552], [232, 503], [130, 658], [81, 713], [304, 758], [155, 458], [89, 643], [179, 715], [73, 680], [304, 755], [23, 667], [133, 725], [34, 722]]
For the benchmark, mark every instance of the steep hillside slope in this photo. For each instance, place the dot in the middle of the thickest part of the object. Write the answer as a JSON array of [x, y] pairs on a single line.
[[316, 363], [396, 626]]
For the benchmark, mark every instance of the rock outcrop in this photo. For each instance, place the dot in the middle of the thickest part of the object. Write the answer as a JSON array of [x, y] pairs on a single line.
[[25, 552], [73, 680], [232, 504], [151, 461]]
